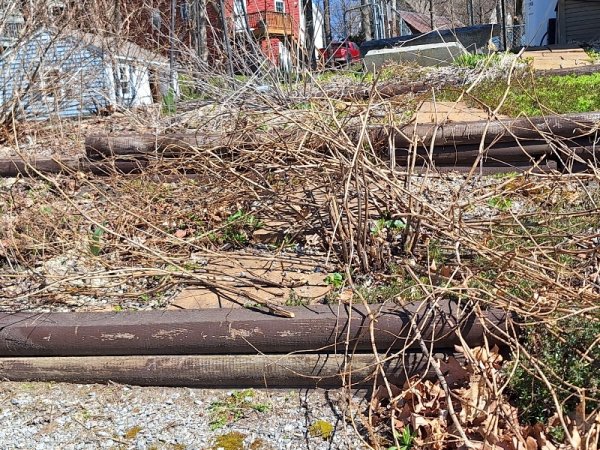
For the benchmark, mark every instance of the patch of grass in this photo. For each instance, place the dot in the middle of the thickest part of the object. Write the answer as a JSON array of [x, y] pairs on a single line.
[[322, 429], [234, 407], [132, 432], [230, 441], [536, 96], [381, 293], [500, 203], [571, 358], [475, 60]]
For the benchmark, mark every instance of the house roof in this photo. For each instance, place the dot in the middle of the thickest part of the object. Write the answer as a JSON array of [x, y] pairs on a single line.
[[118, 48], [422, 22]]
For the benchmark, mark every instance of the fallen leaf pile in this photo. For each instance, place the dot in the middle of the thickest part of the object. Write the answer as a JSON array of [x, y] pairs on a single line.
[[482, 412]]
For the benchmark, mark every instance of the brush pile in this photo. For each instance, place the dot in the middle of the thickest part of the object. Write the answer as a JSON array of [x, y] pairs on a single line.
[[300, 190]]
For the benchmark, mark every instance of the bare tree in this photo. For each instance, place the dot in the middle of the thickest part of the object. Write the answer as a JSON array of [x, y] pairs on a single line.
[[366, 19], [327, 21]]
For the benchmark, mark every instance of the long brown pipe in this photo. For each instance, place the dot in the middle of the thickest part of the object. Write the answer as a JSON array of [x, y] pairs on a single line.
[[318, 328], [227, 371]]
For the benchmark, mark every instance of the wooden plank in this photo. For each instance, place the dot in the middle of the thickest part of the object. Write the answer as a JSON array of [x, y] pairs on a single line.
[[226, 371], [318, 328]]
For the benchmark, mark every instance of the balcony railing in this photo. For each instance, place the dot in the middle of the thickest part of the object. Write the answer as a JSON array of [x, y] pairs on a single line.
[[271, 22]]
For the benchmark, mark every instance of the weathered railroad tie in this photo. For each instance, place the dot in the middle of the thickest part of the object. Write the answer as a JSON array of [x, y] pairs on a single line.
[[237, 347]]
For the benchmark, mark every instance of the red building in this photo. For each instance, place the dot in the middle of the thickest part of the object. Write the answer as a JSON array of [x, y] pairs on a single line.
[[276, 27]]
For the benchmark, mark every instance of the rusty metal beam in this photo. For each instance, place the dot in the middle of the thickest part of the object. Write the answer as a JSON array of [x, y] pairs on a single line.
[[318, 328]]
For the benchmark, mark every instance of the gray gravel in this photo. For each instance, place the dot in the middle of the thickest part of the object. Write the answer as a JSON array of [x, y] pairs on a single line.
[[61, 416]]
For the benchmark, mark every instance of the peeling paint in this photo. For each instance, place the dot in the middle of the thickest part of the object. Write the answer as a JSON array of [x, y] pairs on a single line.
[[288, 333], [170, 334], [235, 333], [116, 336]]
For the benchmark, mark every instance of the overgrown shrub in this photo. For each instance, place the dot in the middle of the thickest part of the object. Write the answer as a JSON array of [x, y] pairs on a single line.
[[570, 361]]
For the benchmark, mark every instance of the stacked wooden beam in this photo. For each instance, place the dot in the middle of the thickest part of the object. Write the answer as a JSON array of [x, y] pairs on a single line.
[[551, 142], [321, 346]]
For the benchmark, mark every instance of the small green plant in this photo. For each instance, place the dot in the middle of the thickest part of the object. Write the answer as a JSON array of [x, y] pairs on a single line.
[[169, 102], [234, 407], [322, 429], [335, 279], [387, 224], [95, 244], [295, 300], [239, 227], [405, 439], [500, 203]]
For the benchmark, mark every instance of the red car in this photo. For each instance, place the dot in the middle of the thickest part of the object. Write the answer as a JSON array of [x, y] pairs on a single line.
[[342, 53]]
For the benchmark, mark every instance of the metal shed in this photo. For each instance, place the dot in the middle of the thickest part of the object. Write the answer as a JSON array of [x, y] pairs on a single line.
[[578, 21]]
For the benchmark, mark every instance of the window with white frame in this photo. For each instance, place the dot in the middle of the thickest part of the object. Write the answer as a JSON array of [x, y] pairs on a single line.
[[280, 6], [124, 81]]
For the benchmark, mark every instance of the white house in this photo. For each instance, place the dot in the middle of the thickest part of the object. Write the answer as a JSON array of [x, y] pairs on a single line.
[[73, 74]]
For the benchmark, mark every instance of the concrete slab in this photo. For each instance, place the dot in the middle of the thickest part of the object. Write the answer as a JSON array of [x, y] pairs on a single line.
[[442, 54]]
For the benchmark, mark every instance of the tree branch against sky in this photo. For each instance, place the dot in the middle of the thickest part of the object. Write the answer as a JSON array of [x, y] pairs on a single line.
[[456, 10]]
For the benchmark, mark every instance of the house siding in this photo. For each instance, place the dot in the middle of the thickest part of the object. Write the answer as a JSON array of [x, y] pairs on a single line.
[[81, 88], [68, 77], [578, 20]]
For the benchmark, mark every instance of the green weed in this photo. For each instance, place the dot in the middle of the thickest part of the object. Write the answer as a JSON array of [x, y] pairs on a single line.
[[95, 238], [322, 429], [234, 407], [169, 103], [501, 203], [405, 439], [335, 279]]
